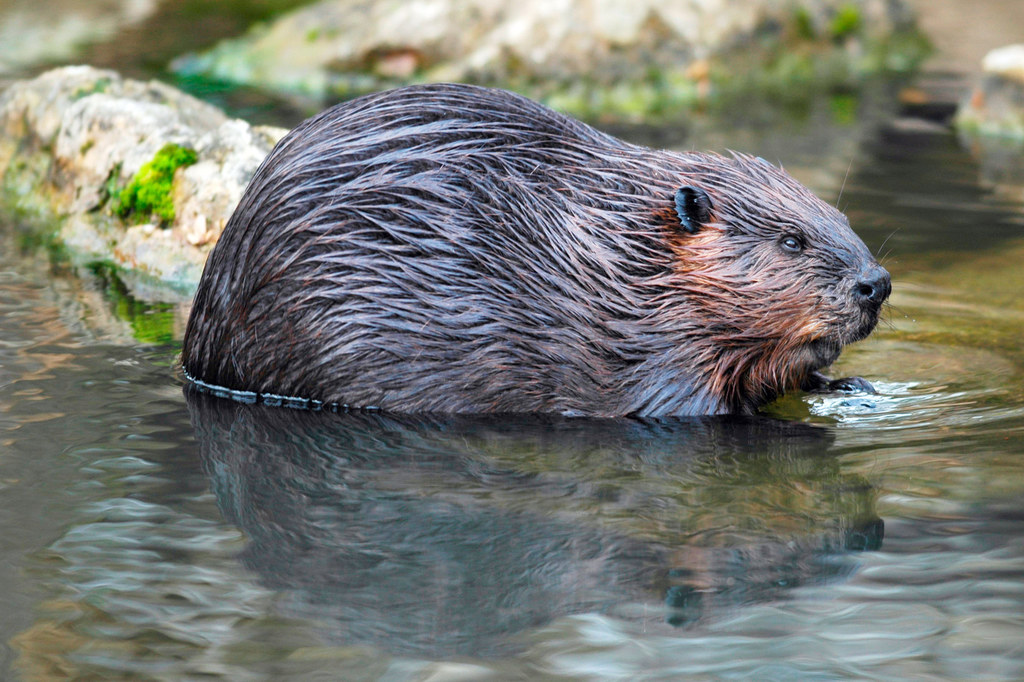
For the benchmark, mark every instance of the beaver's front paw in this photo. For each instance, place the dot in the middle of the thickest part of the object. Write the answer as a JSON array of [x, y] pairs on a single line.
[[817, 381], [851, 385]]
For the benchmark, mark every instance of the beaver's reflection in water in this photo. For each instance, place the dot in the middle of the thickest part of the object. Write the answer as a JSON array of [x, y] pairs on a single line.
[[448, 536]]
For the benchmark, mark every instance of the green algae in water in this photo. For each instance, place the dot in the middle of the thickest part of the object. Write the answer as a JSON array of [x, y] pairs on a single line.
[[149, 191], [151, 323]]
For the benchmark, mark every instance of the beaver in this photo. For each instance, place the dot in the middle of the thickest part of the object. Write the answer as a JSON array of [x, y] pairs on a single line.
[[458, 249]]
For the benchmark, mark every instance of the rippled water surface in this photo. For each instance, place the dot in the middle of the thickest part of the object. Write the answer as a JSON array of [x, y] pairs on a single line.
[[150, 533]]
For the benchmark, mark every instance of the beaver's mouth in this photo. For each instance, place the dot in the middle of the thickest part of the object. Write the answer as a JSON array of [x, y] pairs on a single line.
[[861, 324], [867, 325], [822, 353]]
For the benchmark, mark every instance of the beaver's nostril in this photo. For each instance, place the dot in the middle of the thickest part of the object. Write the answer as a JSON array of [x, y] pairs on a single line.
[[874, 287]]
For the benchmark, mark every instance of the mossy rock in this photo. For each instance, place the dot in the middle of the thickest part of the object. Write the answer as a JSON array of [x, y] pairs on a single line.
[[149, 191]]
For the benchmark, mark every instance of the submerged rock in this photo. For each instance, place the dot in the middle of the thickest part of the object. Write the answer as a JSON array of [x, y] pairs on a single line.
[[625, 49], [72, 139], [996, 105]]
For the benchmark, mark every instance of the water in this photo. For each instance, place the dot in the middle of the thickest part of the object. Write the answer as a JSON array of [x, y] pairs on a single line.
[[150, 533], [147, 532]]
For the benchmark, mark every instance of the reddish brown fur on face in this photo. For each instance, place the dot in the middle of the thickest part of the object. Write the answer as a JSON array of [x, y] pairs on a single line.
[[763, 318], [761, 349], [457, 249]]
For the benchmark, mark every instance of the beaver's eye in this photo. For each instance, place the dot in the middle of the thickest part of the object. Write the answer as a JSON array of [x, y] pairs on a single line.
[[791, 244]]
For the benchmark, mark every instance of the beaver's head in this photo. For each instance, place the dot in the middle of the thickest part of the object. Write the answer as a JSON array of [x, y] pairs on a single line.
[[777, 280]]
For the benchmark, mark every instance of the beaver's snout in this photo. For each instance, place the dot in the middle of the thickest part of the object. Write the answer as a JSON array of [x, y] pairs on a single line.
[[873, 286]]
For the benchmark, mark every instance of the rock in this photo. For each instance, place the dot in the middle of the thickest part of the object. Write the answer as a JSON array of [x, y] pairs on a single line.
[[206, 193], [150, 250], [49, 31], [72, 138], [337, 47], [996, 104], [1007, 62], [109, 136], [961, 33]]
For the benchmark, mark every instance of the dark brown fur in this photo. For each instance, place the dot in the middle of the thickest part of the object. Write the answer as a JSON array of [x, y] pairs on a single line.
[[451, 248]]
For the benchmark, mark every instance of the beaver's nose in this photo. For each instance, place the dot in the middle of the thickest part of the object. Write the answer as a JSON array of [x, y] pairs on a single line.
[[874, 285]]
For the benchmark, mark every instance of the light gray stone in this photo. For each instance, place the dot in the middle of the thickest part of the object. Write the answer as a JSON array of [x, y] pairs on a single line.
[[995, 106], [49, 31], [207, 192], [73, 137], [103, 134], [341, 45], [1007, 62]]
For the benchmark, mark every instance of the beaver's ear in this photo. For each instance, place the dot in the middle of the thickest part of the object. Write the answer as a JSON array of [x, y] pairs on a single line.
[[693, 206]]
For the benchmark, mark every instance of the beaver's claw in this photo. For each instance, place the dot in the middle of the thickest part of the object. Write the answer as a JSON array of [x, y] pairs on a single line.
[[816, 381]]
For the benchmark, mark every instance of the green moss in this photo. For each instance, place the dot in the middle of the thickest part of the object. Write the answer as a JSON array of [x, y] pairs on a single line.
[[30, 241], [845, 23], [149, 191], [790, 75], [803, 24], [843, 106], [898, 53], [23, 194], [100, 85], [109, 190]]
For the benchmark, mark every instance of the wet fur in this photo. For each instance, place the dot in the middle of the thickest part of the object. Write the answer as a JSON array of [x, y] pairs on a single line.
[[457, 249]]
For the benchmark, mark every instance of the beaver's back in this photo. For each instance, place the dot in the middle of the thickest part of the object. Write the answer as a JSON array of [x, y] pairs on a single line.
[[443, 248]]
